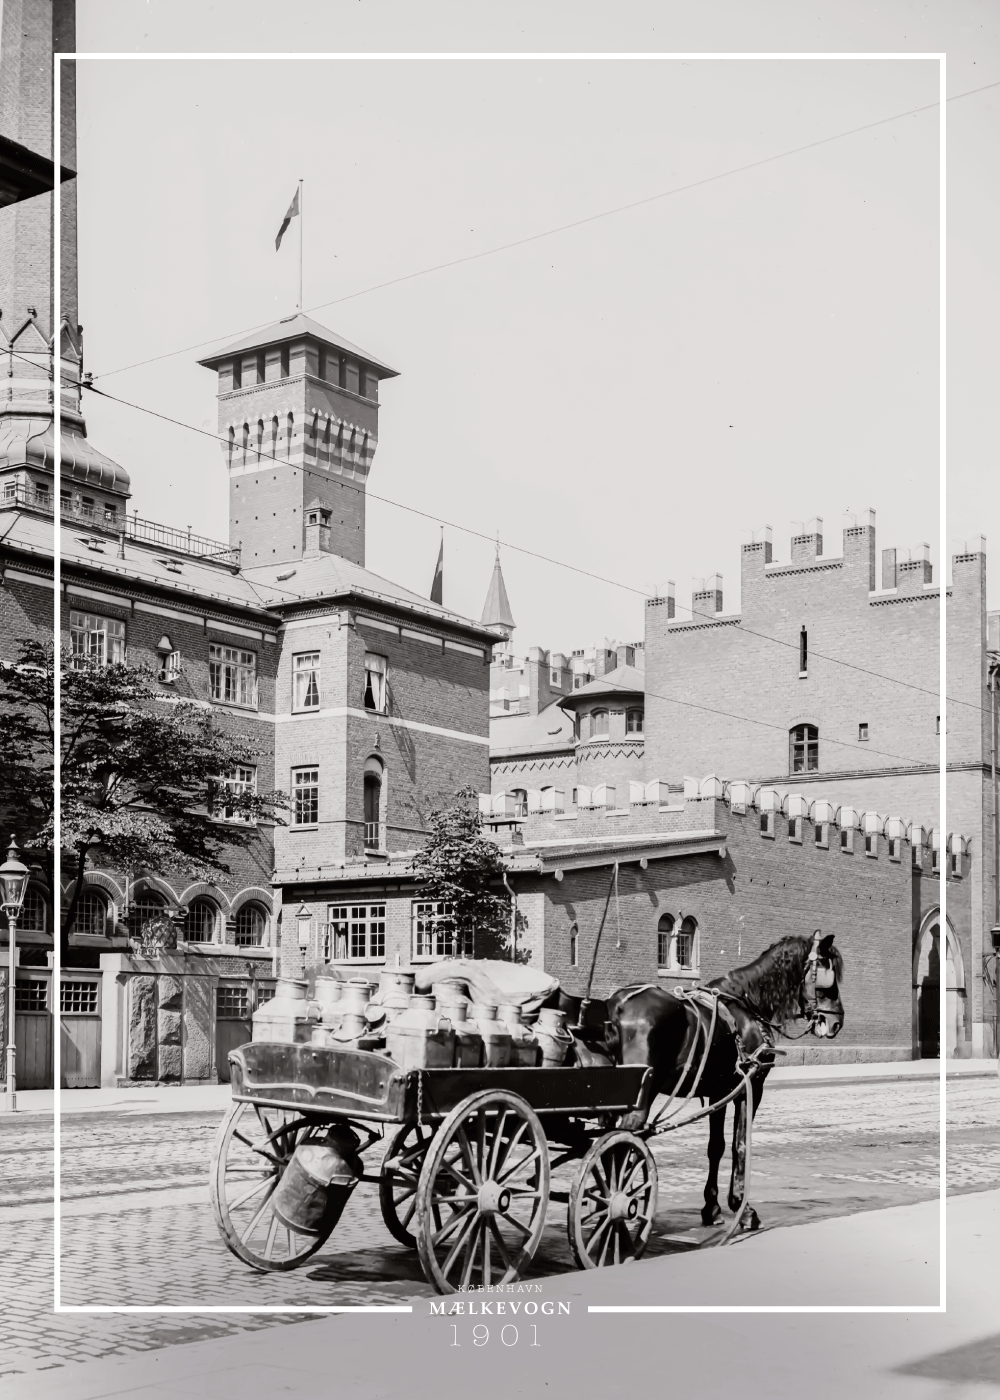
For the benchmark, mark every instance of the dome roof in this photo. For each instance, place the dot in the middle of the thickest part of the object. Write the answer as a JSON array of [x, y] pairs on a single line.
[[29, 441]]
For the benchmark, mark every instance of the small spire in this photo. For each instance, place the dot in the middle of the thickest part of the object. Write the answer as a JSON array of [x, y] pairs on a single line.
[[496, 612], [437, 585]]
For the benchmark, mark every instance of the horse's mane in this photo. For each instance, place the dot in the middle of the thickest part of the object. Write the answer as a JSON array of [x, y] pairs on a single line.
[[771, 982]]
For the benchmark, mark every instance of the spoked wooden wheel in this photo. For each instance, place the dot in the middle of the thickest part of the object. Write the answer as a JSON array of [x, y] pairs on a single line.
[[397, 1184], [483, 1192], [252, 1149], [613, 1201]]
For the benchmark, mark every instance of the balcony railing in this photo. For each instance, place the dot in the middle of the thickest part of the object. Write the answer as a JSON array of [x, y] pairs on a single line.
[[133, 527]]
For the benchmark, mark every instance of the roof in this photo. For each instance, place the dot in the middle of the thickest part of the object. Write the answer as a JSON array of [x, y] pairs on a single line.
[[329, 575], [496, 612], [515, 734], [623, 680], [294, 328], [24, 173], [540, 856], [29, 440]]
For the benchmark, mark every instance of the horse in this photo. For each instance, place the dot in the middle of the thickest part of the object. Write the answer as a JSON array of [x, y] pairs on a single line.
[[795, 978]]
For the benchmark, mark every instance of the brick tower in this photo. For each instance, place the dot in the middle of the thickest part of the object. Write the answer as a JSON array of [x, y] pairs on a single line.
[[298, 415]]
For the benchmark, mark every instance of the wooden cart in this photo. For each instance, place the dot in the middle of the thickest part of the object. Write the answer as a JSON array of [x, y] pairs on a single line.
[[466, 1176]]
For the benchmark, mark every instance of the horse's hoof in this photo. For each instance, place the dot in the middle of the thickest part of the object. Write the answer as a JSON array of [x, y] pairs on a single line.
[[751, 1221], [711, 1215]]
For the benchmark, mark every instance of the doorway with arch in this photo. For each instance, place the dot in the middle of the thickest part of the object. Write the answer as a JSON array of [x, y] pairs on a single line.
[[927, 972]]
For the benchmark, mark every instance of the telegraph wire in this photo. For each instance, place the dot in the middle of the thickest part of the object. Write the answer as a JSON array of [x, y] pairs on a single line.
[[561, 228], [260, 454]]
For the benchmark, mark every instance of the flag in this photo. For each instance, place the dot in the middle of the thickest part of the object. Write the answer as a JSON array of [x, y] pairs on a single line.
[[293, 212], [437, 587]]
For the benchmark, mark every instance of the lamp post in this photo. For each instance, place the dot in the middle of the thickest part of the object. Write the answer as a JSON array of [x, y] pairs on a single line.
[[13, 884]]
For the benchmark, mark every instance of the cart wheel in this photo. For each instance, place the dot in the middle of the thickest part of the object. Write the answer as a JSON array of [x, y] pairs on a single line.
[[397, 1184], [252, 1149], [483, 1192], [612, 1202]]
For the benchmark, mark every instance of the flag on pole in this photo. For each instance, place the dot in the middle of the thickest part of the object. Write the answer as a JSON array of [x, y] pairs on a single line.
[[437, 587], [293, 211]]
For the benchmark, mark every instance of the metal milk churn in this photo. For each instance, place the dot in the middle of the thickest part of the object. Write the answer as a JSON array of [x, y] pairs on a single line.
[[395, 988], [524, 1046], [552, 1035], [421, 1037], [317, 1181], [468, 1039], [496, 1036], [285, 1018], [354, 998]]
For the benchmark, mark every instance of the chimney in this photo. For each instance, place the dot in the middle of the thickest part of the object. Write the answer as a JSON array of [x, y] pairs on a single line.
[[808, 544], [317, 533], [859, 547], [915, 571], [708, 599]]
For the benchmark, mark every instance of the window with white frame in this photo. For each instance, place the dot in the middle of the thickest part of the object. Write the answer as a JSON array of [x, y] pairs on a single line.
[[355, 933], [305, 681], [375, 691], [677, 944], [199, 922], [232, 675], [434, 933], [251, 923], [305, 796], [599, 723], [634, 721], [95, 640], [243, 779]]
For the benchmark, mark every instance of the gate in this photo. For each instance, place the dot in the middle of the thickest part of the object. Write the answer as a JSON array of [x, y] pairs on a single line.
[[233, 1026], [33, 1029], [80, 1037]]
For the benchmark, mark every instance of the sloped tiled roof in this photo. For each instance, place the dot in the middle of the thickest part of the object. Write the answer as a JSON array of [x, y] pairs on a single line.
[[294, 328], [496, 612], [549, 729], [624, 680]]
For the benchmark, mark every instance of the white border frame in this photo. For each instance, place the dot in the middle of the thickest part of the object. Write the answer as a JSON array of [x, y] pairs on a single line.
[[941, 59]]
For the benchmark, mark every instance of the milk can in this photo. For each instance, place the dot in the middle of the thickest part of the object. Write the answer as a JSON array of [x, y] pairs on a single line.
[[395, 988], [468, 1040], [524, 1046], [552, 1035], [285, 1018], [496, 1036], [318, 1178], [421, 1037], [329, 991]]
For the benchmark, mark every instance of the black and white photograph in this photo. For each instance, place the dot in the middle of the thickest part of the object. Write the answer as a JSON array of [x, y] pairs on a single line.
[[499, 699]]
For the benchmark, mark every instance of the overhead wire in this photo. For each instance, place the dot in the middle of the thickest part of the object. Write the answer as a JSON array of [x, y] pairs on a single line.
[[560, 228]]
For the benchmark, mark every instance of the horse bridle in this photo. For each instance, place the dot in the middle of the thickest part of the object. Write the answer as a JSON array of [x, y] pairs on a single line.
[[808, 1000]]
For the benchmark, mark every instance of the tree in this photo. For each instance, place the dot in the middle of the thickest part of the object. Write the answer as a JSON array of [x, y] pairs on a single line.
[[462, 867], [143, 776]]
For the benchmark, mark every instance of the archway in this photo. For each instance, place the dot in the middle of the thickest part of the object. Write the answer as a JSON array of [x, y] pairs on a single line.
[[927, 991]]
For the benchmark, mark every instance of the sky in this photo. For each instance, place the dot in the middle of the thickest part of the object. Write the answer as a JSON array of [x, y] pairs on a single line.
[[633, 395]]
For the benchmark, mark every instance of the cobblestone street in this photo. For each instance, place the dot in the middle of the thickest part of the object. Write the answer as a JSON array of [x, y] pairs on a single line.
[[137, 1228]]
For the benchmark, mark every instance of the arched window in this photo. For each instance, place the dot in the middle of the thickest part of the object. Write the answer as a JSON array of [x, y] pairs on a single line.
[[574, 946], [803, 749], [664, 938], [232, 444], [274, 436], [32, 914], [520, 797], [633, 721], [260, 437], [148, 905], [251, 922], [685, 941], [91, 914], [199, 922], [599, 723], [288, 440], [374, 826], [246, 441]]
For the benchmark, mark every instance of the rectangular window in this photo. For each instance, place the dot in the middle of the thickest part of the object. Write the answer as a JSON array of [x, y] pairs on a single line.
[[767, 823], [355, 933], [434, 934], [232, 675], [305, 681], [803, 652], [871, 844], [305, 796], [894, 848], [78, 998], [804, 749], [862, 733], [555, 679], [32, 995], [847, 841], [821, 834], [232, 1003], [795, 829], [375, 691], [243, 779], [684, 949], [574, 948], [663, 949], [95, 641]]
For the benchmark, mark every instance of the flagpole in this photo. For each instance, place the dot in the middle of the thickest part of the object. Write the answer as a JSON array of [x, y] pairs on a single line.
[[301, 223]]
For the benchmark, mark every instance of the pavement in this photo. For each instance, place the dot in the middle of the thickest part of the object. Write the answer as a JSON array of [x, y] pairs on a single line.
[[575, 1346], [157, 1098]]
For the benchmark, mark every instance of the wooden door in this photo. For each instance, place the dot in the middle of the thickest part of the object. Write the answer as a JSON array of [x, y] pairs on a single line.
[[80, 1036], [233, 1026], [33, 1030]]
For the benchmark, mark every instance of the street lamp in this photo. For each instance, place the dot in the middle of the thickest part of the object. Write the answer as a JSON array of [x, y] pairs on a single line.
[[13, 885]]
